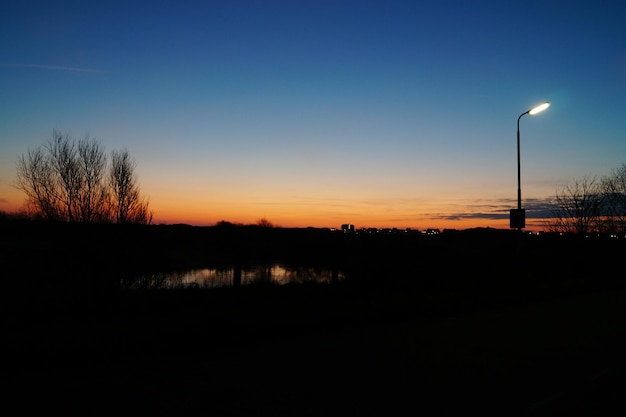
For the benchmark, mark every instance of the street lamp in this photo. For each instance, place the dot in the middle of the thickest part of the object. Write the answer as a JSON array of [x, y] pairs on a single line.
[[518, 216]]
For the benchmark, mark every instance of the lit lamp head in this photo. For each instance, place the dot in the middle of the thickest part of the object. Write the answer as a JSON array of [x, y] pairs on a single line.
[[539, 108]]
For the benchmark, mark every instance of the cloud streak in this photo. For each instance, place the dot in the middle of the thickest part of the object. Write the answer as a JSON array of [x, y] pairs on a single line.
[[55, 68], [536, 208]]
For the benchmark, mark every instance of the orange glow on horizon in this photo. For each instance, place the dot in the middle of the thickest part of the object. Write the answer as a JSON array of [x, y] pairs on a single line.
[[359, 222], [174, 209]]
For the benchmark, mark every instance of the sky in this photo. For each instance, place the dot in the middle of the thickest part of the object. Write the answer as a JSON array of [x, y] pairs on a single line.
[[320, 113]]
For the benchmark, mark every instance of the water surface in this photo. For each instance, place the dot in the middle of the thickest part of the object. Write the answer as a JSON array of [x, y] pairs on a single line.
[[227, 276]]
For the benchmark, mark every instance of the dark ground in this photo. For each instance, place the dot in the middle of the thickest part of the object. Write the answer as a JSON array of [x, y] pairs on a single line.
[[562, 356], [472, 323]]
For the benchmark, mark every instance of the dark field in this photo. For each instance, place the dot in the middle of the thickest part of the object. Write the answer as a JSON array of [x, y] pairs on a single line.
[[481, 322]]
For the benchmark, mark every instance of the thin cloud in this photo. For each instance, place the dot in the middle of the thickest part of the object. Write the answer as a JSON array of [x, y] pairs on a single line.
[[54, 67], [536, 208]]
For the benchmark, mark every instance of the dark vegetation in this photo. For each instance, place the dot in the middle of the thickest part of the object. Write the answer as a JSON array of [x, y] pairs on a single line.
[[64, 309], [45, 262]]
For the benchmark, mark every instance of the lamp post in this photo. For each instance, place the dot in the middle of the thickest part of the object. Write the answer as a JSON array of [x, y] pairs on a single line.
[[518, 216]]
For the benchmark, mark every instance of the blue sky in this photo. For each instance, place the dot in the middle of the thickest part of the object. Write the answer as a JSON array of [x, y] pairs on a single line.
[[318, 113]]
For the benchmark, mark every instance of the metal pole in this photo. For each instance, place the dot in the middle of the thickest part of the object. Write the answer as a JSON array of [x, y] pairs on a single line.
[[518, 217], [519, 181]]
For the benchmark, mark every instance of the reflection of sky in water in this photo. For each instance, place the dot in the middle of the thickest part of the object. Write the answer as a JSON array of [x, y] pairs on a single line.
[[218, 277]]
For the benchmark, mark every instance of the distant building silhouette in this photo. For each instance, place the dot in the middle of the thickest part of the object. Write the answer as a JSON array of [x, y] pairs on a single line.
[[347, 228]]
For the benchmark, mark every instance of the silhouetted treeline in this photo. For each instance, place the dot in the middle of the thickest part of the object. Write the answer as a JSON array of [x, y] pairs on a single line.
[[99, 256]]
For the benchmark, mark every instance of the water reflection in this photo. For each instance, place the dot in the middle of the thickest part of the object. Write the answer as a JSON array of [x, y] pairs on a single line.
[[228, 276]]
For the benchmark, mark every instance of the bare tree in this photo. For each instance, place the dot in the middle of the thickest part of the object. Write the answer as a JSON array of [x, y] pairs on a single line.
[[614, 191], [128, 205], [264, 222], [35, 176], [68, 181], [64, 162], [577, 207], [94, 197]]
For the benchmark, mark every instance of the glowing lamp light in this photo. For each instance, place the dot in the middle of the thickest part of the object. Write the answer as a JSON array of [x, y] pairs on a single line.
[[539, 108]]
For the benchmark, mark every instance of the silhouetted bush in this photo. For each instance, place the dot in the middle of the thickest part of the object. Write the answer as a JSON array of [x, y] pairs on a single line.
[[480, 266]]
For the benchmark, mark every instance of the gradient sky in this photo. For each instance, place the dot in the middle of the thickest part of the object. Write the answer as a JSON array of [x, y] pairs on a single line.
[[319, 113]]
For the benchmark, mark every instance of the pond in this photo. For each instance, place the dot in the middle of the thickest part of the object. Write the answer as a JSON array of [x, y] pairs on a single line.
[[229, 276]]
